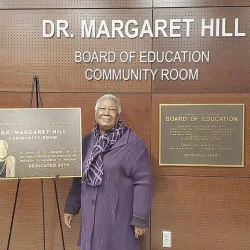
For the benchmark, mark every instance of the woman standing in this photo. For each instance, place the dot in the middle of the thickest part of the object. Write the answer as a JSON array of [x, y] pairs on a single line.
[[115, 192]]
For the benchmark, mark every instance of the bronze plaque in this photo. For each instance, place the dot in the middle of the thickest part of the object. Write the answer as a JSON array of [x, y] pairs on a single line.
[[40, 143], [201, 135]]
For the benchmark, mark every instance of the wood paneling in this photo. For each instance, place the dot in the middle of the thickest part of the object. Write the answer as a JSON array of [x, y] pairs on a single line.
[[198, 99], [28, 228], [204, 207], [202, 213], [83, 4], [24, 52], [199, 3], [227, 68], [15, 4], [16, 100], [6, 206]]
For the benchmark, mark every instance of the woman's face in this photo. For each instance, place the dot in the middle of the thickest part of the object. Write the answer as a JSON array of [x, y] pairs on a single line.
[[3, 150], [107, 115]]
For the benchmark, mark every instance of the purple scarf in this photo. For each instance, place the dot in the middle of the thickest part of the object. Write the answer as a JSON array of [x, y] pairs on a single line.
[[93, 171]]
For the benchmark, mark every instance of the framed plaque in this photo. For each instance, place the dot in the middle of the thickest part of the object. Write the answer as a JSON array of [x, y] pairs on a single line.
[[201, 135], [40, 143]]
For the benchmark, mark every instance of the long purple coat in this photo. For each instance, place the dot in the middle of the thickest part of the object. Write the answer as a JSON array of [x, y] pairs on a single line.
[[110, 211]]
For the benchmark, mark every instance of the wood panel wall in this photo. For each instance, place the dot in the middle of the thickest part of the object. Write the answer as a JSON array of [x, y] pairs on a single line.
[[204, 208]]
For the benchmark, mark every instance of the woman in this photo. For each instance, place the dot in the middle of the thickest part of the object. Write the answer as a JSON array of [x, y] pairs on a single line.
[[115, 192], [7, 162]]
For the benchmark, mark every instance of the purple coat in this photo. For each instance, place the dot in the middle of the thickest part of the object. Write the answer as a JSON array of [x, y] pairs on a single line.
[[110, 211]]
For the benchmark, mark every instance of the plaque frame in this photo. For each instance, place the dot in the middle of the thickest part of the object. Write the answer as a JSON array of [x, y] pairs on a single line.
[[203, 165], [80, 146]]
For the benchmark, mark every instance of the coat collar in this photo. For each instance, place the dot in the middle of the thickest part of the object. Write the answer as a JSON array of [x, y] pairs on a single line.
[[122, 141]]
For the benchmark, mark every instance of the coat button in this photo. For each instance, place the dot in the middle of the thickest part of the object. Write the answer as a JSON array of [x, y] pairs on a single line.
[[93, 201]]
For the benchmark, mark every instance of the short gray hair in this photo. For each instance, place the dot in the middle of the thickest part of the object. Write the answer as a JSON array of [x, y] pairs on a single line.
[[109, 96]]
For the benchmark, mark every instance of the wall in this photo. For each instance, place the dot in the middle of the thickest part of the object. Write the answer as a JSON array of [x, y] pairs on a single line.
[[203, 207]]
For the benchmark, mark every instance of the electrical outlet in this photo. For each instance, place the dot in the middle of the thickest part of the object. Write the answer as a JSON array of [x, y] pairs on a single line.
[[166, 239]]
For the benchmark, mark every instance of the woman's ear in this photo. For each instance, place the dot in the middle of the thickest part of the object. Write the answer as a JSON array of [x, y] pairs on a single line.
[[118, 117]]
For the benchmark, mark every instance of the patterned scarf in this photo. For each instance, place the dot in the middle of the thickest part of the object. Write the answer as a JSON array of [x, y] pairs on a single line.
[[93, 171]]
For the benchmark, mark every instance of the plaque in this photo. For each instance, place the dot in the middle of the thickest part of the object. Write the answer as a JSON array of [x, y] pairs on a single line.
[[40, 143], [201, 135]]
